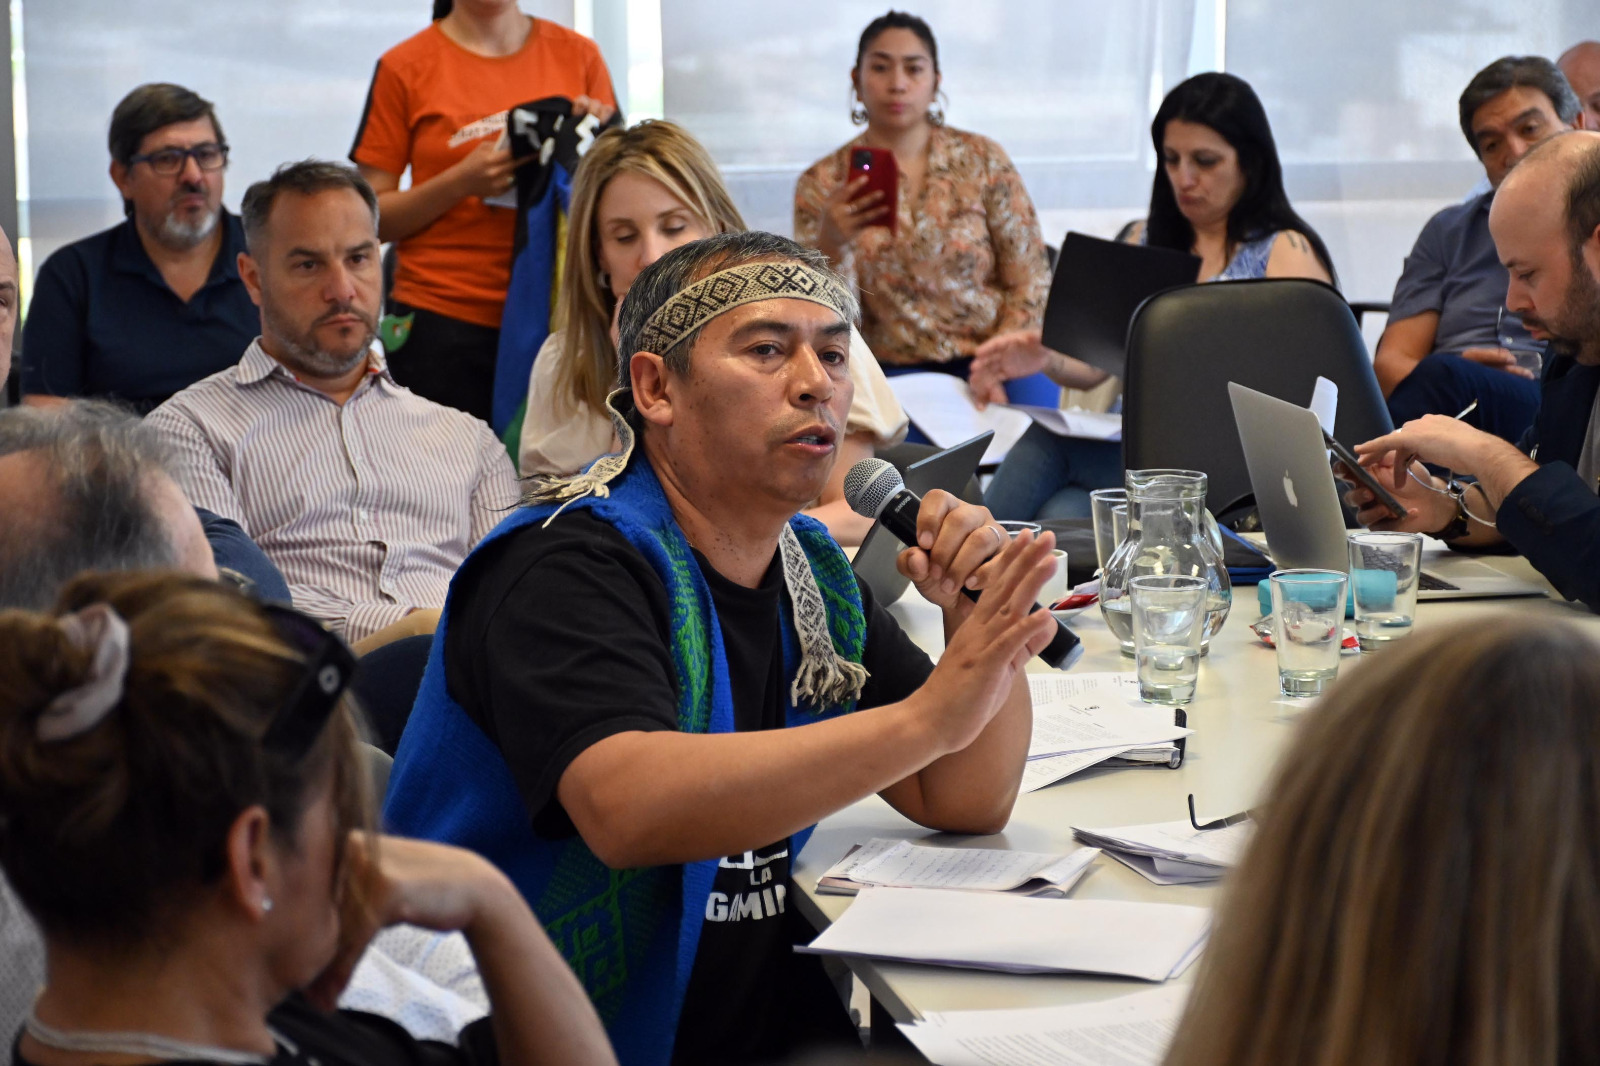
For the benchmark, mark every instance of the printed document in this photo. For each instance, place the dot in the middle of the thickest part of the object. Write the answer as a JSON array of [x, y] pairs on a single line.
[[1018, 934], [1133, 1030]]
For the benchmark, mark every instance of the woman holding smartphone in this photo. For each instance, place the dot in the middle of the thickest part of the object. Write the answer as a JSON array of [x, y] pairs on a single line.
[[957, 258]]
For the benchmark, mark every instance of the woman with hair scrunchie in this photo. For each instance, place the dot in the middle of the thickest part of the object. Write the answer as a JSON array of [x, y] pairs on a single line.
[[185, 813]]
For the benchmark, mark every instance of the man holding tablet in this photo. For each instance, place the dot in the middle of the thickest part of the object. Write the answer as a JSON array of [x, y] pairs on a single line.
[[1540, 495]]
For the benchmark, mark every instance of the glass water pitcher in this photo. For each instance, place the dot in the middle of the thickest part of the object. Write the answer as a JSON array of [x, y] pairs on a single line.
[[1169, 532]]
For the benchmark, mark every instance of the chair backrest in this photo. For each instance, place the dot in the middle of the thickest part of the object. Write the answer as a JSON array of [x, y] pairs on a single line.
[[1275, 335]]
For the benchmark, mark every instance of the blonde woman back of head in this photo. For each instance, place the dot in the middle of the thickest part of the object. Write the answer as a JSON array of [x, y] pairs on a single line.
[[1425, 885]]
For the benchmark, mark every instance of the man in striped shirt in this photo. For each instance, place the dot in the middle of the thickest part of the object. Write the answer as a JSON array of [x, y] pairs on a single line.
[[366, 496]]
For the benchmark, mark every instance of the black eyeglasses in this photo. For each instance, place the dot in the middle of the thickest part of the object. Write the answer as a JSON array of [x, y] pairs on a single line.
[[1220, 823], [329, 666], [170, 161]]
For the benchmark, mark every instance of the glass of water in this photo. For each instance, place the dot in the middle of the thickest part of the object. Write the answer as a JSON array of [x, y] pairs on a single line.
[[1109, 508], [1307, 628], [1169, 619], [1383, 584]]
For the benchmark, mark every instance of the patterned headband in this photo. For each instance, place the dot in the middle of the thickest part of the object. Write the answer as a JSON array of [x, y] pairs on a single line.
[[709, 297]]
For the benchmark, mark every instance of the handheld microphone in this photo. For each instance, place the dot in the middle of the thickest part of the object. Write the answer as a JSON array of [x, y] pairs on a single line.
[[874, 489]]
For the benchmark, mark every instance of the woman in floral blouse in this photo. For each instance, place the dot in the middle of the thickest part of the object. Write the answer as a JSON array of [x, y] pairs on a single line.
[[965, 260]]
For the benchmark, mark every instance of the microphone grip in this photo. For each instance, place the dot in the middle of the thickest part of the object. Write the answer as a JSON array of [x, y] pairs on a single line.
[[899, 516]]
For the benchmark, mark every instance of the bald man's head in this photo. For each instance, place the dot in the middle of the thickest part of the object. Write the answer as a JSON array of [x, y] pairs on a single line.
[[1546, 227], [1581, 65]]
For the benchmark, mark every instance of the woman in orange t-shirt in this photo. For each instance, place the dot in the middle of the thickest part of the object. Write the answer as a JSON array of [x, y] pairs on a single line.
[[438, 105]]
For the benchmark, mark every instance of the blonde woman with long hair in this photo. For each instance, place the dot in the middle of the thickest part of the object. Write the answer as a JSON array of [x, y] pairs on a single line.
[[638, 194], [1424, 887]]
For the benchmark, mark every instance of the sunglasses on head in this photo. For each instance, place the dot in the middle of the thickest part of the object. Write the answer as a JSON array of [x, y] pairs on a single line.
[[329, 666]]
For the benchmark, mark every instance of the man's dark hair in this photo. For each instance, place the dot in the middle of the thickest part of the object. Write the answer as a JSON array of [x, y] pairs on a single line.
[[1511, 72], [91, 512], [151, 107], [898, 20], [1228, 106], [307, 177], [682, 267]]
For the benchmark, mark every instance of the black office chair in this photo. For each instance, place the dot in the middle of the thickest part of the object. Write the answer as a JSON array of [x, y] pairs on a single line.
[[1274, 335]]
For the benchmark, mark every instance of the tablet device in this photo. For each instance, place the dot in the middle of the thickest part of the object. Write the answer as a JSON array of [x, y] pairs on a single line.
[[1364, 476], [1098, 286]]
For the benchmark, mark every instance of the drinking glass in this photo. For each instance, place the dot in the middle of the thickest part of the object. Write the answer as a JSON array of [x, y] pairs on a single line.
[[1383, 584], [1307, 627], [1013, 527], [1528, 352], [1169, 618], [1109, 507]]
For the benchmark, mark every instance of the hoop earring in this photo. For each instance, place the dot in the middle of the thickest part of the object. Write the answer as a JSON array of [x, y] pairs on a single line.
[[858, 114], [603, 280]]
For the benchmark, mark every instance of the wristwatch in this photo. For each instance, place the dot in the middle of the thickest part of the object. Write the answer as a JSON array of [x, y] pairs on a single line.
[[1458, 526]]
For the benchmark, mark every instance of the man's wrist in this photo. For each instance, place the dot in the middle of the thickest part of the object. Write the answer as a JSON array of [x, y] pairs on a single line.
[[1456, 528]]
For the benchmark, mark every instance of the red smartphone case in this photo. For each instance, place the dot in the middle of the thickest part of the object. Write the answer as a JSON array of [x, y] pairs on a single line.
[[883, 175]]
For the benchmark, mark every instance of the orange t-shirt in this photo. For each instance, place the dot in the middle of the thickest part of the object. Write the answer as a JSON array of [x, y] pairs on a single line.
[[430, 103]]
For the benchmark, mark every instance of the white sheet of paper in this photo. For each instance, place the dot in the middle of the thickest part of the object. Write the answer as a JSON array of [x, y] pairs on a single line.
[[1176, 840], [1145, 867], [1080, 714], [942, 407], [908, 865], [1133, 1030], [1018, 934], [1048, 769], [1088, 425]]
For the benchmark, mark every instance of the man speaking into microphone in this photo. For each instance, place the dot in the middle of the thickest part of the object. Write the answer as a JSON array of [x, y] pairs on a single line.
[[654, 678]]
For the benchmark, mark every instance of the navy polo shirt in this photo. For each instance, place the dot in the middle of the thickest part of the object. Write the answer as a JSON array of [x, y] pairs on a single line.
[[104, 323], [1454, 270]]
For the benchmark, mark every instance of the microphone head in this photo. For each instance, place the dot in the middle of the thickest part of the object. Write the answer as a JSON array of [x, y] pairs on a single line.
[[869, 484]]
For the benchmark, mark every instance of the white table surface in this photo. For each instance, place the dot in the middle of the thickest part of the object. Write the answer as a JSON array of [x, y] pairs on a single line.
[[1241, 727]]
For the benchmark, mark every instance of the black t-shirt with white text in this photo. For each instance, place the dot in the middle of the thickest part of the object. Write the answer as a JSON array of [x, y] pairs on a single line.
[[559, 640]]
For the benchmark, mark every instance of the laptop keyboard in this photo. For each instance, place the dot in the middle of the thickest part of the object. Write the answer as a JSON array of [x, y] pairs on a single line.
[[1429, 583]]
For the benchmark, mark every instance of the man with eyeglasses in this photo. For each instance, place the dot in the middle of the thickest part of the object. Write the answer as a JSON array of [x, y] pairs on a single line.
[[152, 305]]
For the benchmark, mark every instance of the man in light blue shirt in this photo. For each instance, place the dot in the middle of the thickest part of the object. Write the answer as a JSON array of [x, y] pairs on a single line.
[[1443, 346]]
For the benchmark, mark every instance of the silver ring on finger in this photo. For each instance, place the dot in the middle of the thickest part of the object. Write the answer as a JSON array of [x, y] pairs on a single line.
[[999, 531]]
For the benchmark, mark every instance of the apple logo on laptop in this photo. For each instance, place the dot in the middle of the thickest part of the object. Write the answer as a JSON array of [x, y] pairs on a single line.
[[1288, 490]]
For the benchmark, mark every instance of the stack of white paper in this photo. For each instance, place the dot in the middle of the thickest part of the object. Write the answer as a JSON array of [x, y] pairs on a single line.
[[1015, 934], [1134, 1030], [1081, 720], [1172, 853], [941, 406], [902, 864]]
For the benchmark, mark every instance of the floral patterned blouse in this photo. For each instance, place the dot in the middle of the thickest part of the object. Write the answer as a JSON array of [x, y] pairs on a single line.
[[965, 262]]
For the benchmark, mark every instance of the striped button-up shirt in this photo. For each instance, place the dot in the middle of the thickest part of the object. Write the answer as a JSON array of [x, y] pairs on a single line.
[[367, 507]]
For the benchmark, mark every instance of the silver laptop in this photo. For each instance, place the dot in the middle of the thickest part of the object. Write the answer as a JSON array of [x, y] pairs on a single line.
[[1298, 501], [950, 470]]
